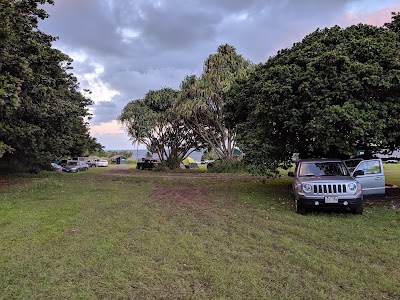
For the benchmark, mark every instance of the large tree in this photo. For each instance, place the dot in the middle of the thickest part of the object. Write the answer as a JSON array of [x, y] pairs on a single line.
[[333, 93], [153, 122], [42, 112], [395, 24], [201, 100]]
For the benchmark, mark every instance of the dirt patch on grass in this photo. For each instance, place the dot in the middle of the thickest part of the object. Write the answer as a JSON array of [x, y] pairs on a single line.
[[193, 199], [390, 199], [6, 182], [188, 195], [187, 199], [126, 170]]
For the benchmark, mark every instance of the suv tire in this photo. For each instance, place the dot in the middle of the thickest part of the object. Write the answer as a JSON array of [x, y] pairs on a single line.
[[358, 210], [298, 208]]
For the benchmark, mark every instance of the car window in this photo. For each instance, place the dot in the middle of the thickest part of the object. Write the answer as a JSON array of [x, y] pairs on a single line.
[[370, 167], [352, 163], [322, 169]]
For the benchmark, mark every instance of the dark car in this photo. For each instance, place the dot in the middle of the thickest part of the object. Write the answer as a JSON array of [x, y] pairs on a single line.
[[147, 163], [74, 166]]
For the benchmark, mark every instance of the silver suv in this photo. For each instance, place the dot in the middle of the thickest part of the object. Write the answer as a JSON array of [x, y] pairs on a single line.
[[325, 183]]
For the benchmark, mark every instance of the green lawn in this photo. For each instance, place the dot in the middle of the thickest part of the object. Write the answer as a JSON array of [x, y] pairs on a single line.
[[98, 235]]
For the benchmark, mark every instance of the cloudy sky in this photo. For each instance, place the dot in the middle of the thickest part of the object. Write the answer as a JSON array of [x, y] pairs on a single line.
[[124, 48]]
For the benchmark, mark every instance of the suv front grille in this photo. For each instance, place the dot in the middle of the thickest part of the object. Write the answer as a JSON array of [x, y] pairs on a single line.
[[330, 189]]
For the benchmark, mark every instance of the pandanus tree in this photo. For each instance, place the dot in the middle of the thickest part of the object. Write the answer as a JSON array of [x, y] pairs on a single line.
[[201, 101], [153, 122], [137, 120]]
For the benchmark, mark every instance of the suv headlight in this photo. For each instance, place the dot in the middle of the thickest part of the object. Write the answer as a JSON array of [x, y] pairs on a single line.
[[352, 187], [307, 188]]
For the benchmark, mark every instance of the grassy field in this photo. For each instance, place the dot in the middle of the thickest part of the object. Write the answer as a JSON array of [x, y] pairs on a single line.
[[104, 235]]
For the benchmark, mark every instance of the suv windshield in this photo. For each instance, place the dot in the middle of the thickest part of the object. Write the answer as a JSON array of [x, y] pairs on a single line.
[[323, 169]]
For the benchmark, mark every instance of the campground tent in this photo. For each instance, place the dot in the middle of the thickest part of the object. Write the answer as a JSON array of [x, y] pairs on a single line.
[[190, 163]]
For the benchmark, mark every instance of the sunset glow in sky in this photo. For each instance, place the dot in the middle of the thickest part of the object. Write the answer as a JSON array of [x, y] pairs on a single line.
[[123, 49]]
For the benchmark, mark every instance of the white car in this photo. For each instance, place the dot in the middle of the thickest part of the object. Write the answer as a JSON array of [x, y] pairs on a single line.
[[56, 167], [392, 161], [102, 163]]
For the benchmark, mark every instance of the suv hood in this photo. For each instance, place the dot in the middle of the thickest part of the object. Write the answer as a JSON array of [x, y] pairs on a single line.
[[326, 179]]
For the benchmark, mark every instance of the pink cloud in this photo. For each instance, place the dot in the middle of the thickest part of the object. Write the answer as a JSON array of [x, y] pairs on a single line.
[[106, 128], [378, 17]]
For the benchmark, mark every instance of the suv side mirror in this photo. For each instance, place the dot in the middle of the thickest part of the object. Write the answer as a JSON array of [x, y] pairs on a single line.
[[358, 173], [290, 174]]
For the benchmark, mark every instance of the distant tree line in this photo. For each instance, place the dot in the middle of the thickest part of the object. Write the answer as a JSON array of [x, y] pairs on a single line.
[[43, 115], [333, 93], [124, 153]]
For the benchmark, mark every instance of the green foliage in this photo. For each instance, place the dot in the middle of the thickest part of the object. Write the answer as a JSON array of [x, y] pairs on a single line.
[[41, 109], [130, 161], [99, 153], [229, 166], [335, 92], [240, 166], [201, 100], [153, 122], [124, 153], [395, 24], [210, 155], [5, 148]]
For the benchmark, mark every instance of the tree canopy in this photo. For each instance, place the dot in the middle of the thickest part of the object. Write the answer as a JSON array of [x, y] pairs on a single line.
[[154, 122], [201, 100], [42, 111], [333, 93]]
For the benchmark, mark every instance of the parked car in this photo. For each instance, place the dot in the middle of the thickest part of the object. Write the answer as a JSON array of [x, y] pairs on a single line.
[[102, 163], [73, 166], [63, 162], [92, 162], [392, 161], [319, 183], [55, 167], [147, 163]]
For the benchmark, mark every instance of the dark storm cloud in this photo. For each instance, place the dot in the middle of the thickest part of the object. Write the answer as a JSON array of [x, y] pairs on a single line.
[[105, 108], [83, 25], [133, 85], [150, 44], [260, 31]]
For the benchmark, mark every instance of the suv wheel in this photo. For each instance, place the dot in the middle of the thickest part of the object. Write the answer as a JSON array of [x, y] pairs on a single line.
[[298, 208], [358, 210]]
